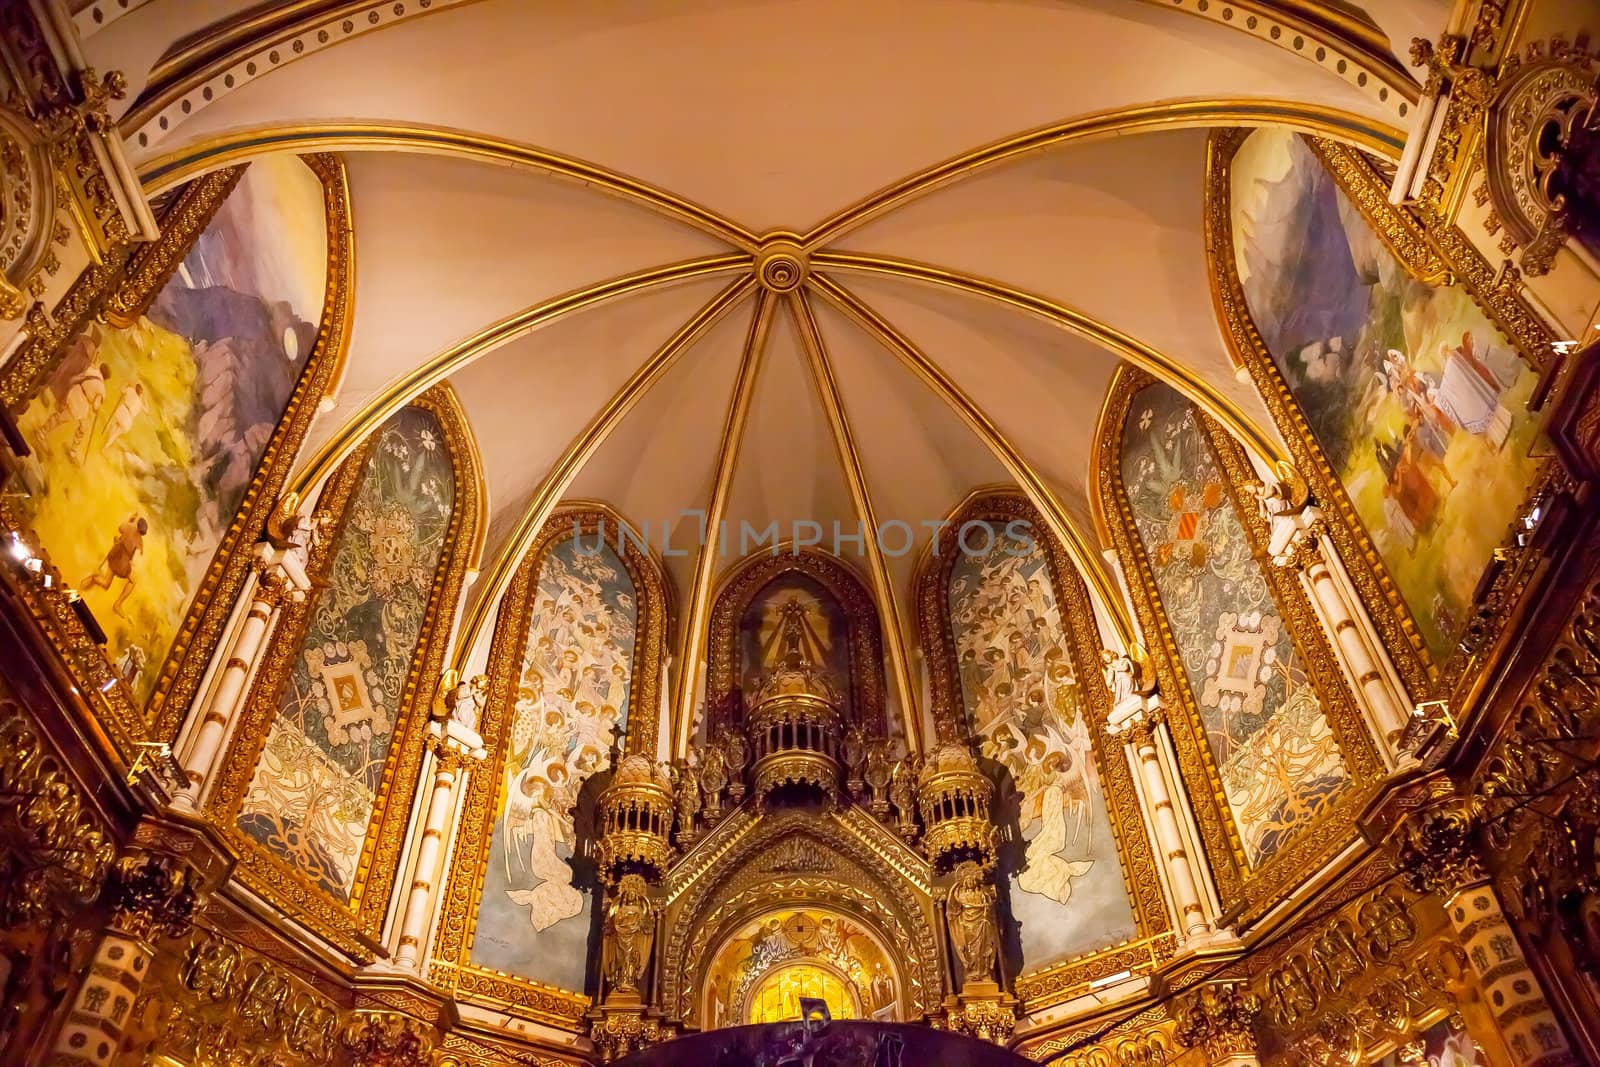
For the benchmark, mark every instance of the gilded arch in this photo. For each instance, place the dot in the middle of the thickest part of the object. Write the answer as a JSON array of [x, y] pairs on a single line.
[[459, 913], [852, 594], [354, 925], [1436, 254], [1245, 890], [845, 858]]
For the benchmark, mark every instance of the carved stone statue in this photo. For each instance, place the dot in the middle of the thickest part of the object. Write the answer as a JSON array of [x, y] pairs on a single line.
[[713, 779], [970, 914], [686, 782], [854, 751], [1127, 674], [736, 753], [903, 794], [880, 770], [464, 698], [629, 932]]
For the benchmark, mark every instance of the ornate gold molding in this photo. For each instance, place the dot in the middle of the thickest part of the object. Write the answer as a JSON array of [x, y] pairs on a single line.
[[354, 927], [1246, 893], [458, 920], [1432, 253]]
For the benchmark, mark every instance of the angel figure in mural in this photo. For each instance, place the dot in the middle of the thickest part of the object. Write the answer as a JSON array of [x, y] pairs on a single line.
[[537, 820], [629, 932], [1064, 813], [970, 915]]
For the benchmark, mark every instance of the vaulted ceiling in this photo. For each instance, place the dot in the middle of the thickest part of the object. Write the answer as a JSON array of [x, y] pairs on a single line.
[[561, 208]]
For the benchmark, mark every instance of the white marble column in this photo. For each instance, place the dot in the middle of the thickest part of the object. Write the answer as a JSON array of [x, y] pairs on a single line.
[[455, 747], [1299, 541], [280, 577], [1139, 721]]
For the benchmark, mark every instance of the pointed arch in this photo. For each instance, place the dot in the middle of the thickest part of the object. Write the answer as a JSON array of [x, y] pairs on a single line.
[[318, 788], [589, 560], [1059, 717], [1273, 751]]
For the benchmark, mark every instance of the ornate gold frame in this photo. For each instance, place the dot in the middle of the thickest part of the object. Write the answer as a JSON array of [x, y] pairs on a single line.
[[354, 928], [847, 862], [1434, 255], [451, 963], [123, 293], [749, 577], [1245, 893], [1054, 982]]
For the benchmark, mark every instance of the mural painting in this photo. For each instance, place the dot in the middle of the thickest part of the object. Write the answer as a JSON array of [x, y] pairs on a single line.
[[571, 706], [760, 973], [313, 792], [821, 628], [1410, 391], [1442, 1046], [1265, 725], [146, 438], [1029, 715]]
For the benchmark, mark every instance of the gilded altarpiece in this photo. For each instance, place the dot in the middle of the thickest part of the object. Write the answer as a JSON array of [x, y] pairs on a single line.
[[1273, 749], [210, 350], [847, 642], [574, 666], [1011, 642], [318, 788], [1400, 369]]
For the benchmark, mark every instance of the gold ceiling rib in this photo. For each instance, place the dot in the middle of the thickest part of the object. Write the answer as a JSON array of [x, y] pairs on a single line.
[[1084, 555], [855, 477], [579, 451], [691, 643], [1141, 355], [1318, 119], [400, 392], [238, 146]]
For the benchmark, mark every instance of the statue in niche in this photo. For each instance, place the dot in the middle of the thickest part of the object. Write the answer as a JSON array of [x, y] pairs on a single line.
[[686, 786], [629, 932], [880, 771], [903, 794], [970, 914], [713, 779]]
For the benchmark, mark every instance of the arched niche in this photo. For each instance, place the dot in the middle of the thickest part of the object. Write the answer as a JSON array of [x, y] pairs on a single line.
[[164, 416], [1013, 655], [840, 597], [317, 790], [844, 862], [1398, 370], [586, 603], [1274, 753], [834, 942]]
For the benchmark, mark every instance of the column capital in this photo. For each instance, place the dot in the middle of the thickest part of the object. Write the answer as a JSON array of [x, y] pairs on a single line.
[[280, 572], [387, 1039], [152, 895], [1219, 1018], [1296, 526], [1432, 830]]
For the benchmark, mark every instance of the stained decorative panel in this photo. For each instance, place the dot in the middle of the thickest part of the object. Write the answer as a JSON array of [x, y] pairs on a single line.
[[1027, 710], [1417, 401], [1264, 722], [146, 437], [312, 796], [570, 705]]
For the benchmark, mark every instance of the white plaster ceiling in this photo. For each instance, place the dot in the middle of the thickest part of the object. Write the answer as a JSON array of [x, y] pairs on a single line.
[[772, 115]]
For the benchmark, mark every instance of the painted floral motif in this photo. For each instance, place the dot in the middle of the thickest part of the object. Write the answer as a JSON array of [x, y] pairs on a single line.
[[571, 703], [313, 793], [1025, 706], [1266, 728], [1411, 392]]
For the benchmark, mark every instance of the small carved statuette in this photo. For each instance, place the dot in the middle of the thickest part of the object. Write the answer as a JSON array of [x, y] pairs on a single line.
[[736, 753], [879, 773], [464, 698], [854, 751], [713, 779], [903, 795], [686, 782], [629, 932], [1127, 674], [387, 1039], [970, 913]]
